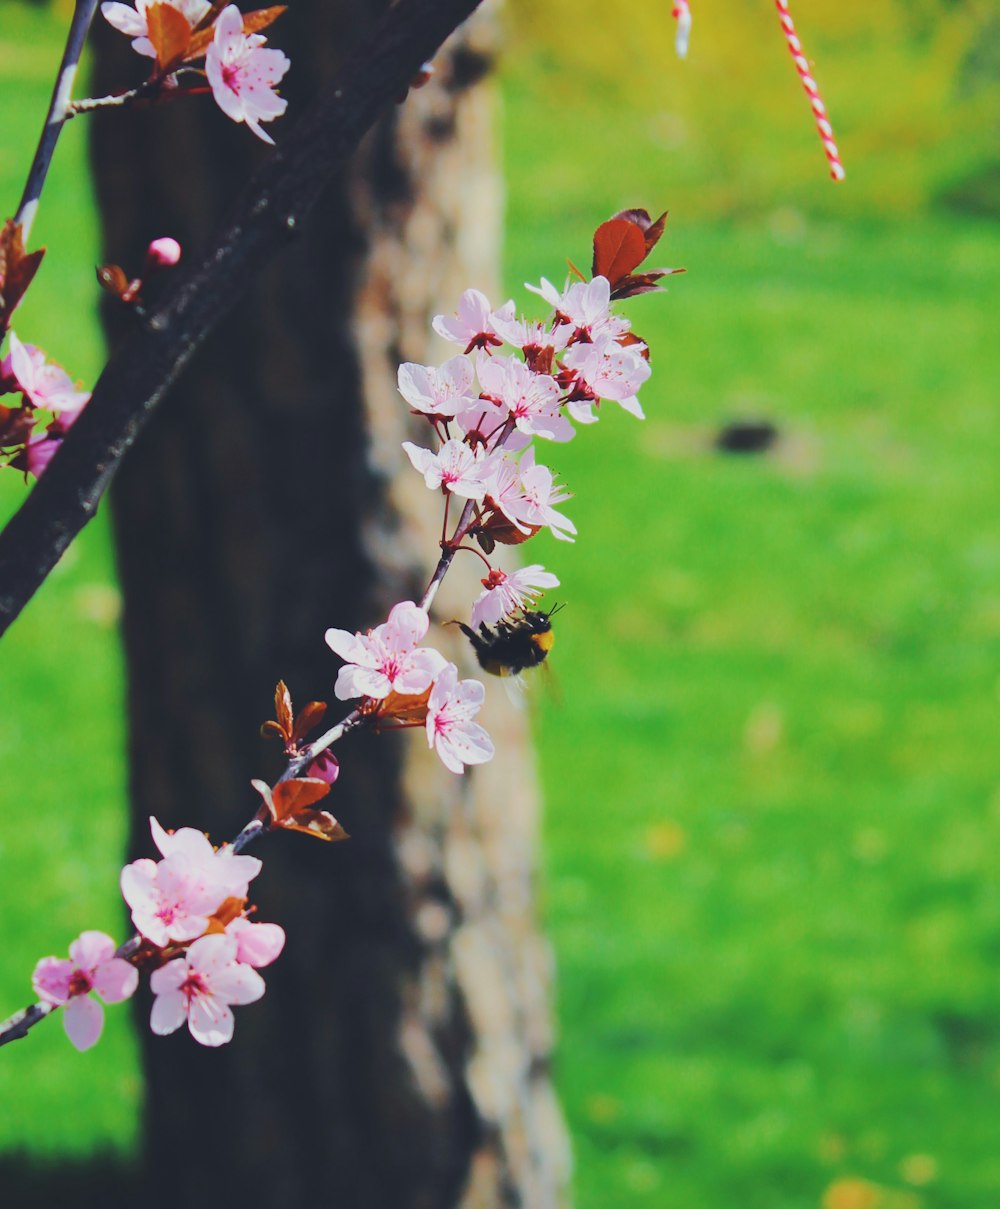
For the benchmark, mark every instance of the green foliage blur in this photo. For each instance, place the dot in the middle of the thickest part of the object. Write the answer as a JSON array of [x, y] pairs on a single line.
[[768, 742], [770, 759]]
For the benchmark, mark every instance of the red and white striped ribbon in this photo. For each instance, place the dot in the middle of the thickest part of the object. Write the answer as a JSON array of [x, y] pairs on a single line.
[[812, 91], [682, 15]]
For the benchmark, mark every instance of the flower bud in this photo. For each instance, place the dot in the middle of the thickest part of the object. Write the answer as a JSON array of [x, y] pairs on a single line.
[[162, 253]]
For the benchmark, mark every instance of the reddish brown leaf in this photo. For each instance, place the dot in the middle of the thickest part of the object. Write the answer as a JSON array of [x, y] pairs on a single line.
[[261, 18], [651, 231], [21, 276], [630, 338], [209, 18], [499, 529], [618, 248], [642, 283], [654, 231], [290, 797], [111, 277], [283, 708], [318, 823], [410, 708], [271, 730], [17, 270], [231, 908], [170, 33], [201, 40], [310, 716]]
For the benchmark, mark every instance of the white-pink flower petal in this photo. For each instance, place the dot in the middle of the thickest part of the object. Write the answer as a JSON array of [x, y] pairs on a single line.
[[505, 593], [451, 732], [83, 1020], [257, 945], [455, 467], [531, 400], [243, 74], [43, 383], [442, 391], [386, 659], [200, 987], [470, 326]]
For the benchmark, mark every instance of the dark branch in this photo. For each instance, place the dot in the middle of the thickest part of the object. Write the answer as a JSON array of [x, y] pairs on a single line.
[[292, 181], [18, 1025], [59, 108]]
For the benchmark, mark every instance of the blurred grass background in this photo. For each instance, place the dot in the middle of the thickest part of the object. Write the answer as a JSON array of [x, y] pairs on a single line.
[[778, 921]]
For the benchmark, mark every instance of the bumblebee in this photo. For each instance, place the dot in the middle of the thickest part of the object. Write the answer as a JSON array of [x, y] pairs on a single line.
[[515, 644]]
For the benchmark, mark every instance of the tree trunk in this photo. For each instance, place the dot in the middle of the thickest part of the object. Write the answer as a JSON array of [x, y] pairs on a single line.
[[400, 1057]]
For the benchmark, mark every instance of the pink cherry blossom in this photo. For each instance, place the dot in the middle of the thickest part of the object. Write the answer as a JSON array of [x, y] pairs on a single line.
[[132, 21], [526, 493], [43, 383], [532, 336], [450, 730], [506, 592], [503, 489], [170, 899], [200, 988], [173, 899], [471, 325], [531, 399], [387, 658], [540, 492], [586, 305], [605, 370], [92, 966], [442, 391], [257, 945], [455, 466], [243, 74], [34, 458], [226, 873]]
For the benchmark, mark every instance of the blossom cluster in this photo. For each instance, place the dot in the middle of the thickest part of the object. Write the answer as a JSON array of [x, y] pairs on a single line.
[[514, 382], [241, 70], [32, 427], [190, 911]]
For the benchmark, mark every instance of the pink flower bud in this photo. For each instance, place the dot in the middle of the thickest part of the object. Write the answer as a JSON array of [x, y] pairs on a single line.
[[326, 767], [162, 253]]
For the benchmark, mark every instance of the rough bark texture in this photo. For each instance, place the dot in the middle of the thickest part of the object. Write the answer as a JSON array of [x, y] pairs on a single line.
[[399, 1059]]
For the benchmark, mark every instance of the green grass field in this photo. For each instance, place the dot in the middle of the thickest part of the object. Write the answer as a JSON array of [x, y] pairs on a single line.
[[770, 756]]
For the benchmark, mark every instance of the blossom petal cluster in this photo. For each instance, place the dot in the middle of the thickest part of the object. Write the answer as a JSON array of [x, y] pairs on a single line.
[[506, 593], [200, 989], [173, 899], [49, 404], [451, 731], [386, 659], [133, 22], [92, 967], [242, 71], [516, 382], [190, 906]]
